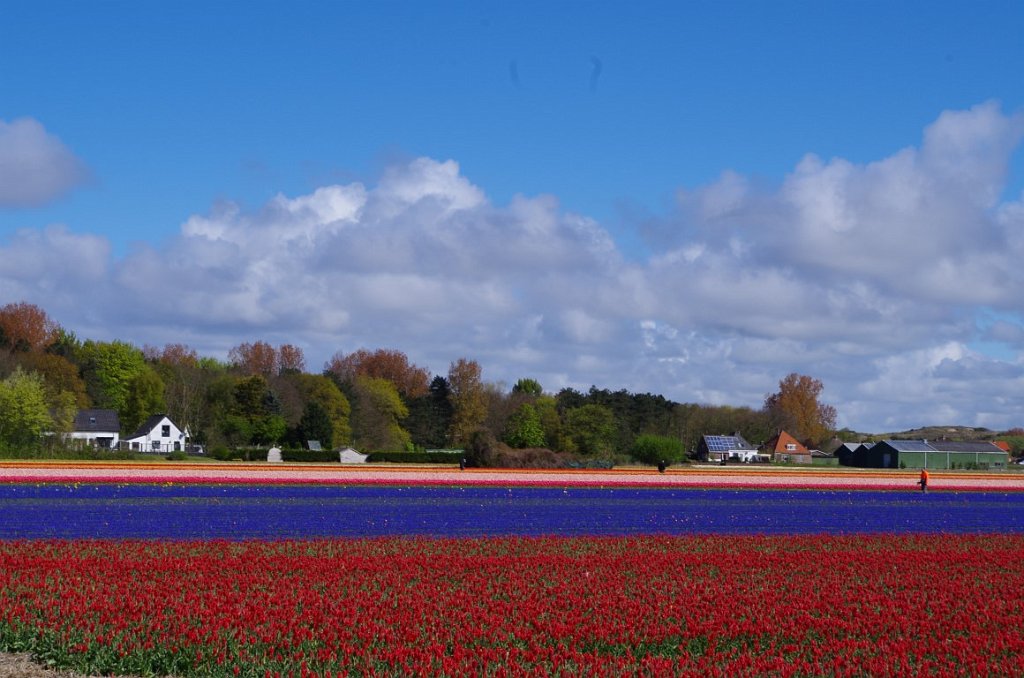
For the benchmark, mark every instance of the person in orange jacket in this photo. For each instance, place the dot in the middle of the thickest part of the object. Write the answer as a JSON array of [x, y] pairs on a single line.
[[923, 482]]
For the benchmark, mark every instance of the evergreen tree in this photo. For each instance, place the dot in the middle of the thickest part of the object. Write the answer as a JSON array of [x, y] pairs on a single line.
[[315, 424]]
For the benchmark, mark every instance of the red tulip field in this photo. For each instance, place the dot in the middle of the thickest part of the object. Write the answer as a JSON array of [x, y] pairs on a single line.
[[645, 605]]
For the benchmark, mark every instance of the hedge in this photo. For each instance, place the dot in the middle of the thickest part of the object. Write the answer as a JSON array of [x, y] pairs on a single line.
[[417, 457], [302, 455]]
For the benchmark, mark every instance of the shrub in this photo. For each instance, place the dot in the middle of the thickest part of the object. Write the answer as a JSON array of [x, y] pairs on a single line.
[[652, 449], [221, 453]]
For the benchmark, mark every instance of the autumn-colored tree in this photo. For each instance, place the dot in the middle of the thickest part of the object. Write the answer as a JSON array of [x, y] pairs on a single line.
[[411, 380], [466, 393], [290, 359], [26, 327], [172, 354], [257, 357], [796, 410], [60, 375]]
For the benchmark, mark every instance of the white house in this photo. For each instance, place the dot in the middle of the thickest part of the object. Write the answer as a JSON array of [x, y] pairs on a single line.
[[157, 434], [96, 428]]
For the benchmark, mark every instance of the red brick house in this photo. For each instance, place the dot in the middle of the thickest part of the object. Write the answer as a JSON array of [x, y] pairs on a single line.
[[787, 449]]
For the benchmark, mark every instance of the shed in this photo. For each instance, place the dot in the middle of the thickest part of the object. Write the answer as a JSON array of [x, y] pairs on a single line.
[[845, 453], [348, 455], [819, 458], [967, 454], [891, 453], [936, 454]]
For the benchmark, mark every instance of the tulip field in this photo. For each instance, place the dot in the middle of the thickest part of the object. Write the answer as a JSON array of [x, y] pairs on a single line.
[[144, 578]]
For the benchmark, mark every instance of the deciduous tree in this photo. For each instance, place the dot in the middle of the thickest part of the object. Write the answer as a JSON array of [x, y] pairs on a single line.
[[551, 423], [795, 409], [524, 428], [527, 386], [145, 398], [60, 376], [290, 359], [24, 410], [469, 409], [257, 357], [185, 379], [108, 369], [377, 414], [26, 327], [591, 428], [411, 380], [323, 391]]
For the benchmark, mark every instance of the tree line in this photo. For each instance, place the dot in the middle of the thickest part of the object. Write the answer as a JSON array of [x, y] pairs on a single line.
[[371, 399]]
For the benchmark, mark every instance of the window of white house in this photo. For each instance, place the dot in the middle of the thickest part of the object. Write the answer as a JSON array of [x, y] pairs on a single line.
[[165, 431], [790, 447]]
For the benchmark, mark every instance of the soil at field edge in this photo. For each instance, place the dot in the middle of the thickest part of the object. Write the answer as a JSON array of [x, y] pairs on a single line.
[[20, 665]]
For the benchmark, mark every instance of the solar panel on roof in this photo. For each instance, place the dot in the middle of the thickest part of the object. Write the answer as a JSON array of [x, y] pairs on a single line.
[[720, 443], [724, 443]]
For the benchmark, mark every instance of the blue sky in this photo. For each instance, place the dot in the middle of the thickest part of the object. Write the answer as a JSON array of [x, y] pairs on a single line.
[[692, 199]]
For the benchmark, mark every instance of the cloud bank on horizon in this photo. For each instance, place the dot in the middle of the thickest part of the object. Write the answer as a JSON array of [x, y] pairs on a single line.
[[896, 282]]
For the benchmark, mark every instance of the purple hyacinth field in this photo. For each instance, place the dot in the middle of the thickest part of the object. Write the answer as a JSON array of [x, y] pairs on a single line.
[[270, 511]]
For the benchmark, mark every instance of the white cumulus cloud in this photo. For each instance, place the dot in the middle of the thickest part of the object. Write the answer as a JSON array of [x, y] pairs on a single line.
[[35, 166], [880, 278]]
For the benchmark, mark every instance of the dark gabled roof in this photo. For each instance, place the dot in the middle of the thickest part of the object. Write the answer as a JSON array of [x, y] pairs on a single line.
[[910, 445], [147, 425], [965, 446], [726, 443], [88, 421]]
